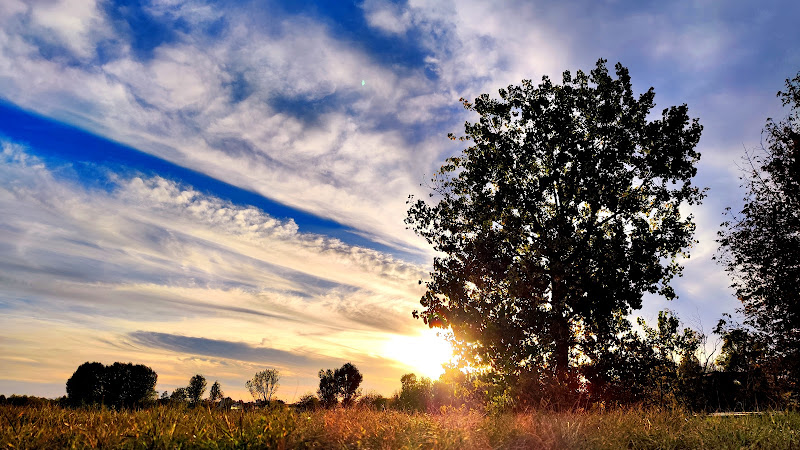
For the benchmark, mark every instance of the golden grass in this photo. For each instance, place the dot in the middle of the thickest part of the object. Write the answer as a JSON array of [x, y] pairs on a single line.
[[169, 427]]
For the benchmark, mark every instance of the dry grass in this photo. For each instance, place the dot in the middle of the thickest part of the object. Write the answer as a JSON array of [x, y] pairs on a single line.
[[166, 427]]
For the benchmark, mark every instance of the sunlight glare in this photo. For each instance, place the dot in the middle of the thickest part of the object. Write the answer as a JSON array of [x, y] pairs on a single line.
[[424, 354]]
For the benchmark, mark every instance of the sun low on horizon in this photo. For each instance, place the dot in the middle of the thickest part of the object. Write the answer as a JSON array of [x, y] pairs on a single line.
[[424, 353]]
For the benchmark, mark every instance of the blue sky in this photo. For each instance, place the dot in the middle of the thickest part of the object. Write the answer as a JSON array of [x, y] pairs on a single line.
[[208, 187]]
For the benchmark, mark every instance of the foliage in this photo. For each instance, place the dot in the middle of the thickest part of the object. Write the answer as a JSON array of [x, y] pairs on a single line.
[[657, 367], [167, 427], [308, 402], [557, 218], [118, 385], [374, 400], [87, 385], [415, 394], [179, 395], [264, 384], [342, 383], [760, 246], [196, 388], [215, 393], [328, 388]]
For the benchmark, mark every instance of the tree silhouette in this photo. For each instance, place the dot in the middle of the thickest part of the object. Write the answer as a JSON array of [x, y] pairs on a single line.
[[216, 392], [328, 391], [342, 383], [87, 384], [118, 385], [562, 213], [264, 384], [760, 246], [196, 388], [349, 378]]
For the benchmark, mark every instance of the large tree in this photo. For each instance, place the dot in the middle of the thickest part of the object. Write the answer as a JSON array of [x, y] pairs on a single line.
[[760, 246], [561, 213]]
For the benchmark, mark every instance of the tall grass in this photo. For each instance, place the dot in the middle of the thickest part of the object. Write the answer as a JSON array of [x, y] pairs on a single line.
[[171, 427]]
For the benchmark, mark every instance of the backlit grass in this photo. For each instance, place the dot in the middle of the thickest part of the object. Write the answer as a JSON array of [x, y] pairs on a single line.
[[171, 427]]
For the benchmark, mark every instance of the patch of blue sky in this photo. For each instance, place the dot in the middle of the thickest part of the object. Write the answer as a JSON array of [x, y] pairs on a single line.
[[346, 21], [144, 31], [88, 158]]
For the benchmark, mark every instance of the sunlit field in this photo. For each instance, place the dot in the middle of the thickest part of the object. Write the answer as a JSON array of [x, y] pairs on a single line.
[[180, 427]]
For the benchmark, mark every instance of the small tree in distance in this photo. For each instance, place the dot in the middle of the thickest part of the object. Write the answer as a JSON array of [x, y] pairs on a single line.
[[342, 383], [196, 388], [349, 378], [216, 392], [264, 384]]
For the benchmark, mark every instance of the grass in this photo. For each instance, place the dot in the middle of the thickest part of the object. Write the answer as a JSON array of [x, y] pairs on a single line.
[[170, 427]]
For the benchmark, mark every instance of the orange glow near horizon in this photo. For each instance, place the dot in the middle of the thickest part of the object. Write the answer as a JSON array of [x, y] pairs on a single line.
[[424, 353]]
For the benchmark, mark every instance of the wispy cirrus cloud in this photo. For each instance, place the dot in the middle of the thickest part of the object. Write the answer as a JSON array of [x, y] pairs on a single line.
[[154, 256]]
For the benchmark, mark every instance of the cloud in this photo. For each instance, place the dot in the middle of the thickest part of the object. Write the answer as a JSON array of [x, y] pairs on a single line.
[[224, 349]]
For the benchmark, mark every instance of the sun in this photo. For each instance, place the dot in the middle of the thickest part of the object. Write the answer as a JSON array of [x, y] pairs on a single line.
[[424, 353]]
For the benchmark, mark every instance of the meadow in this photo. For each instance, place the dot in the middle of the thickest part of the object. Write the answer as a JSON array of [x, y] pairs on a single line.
[[165, 427]]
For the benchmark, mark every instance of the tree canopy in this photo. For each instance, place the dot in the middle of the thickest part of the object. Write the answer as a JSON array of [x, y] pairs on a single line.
[[264, 384], [561, 213], [118, 385], [342, 383], [196, 388], [760, 246]]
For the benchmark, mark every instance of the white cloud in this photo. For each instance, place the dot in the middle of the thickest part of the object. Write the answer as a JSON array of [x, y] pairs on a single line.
[[157, 256], [386, 16]]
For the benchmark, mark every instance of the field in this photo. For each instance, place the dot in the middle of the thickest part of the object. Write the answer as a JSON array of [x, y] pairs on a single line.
[[170, 427]]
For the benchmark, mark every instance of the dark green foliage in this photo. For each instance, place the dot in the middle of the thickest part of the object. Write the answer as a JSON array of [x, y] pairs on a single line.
[[557, 218], [196, 388], [118, 385], [342, 383], [760, 246]]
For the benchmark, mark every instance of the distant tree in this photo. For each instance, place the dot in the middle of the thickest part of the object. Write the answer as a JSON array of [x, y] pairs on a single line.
[[216, 392], [179, 395], [196, 388], [348, 378], [342, 383], [118, 385], [130, 385], [328, 391], [760, 246], [264, 384], [374, 401], [562, 213], [415, 394], [308, 402], [87, 385]]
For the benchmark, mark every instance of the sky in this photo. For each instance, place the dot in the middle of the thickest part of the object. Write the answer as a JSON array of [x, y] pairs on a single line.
[[219, 187]]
